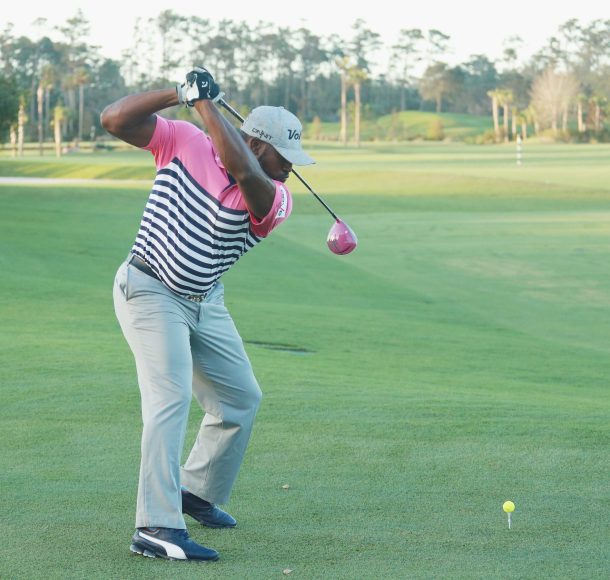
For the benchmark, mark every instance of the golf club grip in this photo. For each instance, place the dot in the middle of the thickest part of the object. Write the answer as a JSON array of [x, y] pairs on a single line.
[[233, 112]]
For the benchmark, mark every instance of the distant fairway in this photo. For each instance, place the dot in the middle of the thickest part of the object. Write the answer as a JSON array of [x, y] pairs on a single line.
[[410, 125], [459, 358]]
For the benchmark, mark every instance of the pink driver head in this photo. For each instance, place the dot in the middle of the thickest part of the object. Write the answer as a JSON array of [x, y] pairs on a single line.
[[341, 239]]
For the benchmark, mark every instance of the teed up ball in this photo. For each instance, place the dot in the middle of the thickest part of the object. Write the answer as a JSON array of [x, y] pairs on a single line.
[[508, 507]]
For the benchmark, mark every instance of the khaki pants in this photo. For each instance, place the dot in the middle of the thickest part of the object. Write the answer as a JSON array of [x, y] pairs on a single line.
[[183, 348]]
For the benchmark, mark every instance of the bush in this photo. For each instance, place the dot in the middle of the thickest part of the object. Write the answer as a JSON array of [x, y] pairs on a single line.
[[590, 136], [486, 138], [315, 128], [435, 131], [573, 136], [103, 146]]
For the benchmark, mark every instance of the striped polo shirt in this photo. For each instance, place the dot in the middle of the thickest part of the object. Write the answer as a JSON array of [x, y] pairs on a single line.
[[196, 224]]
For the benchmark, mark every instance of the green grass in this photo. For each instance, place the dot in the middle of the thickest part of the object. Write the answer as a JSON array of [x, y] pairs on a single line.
[[459, 358], [131, 164], [407, 125]]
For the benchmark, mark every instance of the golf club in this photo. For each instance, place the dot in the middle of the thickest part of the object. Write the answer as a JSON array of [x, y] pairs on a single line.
[[341, 238]]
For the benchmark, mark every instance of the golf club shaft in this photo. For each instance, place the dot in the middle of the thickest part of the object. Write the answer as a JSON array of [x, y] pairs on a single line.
[[233, 112]]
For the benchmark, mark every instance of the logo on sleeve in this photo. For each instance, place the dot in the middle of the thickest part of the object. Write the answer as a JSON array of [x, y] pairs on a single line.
[[281, 212]]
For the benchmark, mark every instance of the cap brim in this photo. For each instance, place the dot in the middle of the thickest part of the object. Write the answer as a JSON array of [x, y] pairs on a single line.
[[295, 156]]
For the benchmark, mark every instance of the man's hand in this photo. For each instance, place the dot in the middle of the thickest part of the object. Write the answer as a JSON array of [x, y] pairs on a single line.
[[199, 86]]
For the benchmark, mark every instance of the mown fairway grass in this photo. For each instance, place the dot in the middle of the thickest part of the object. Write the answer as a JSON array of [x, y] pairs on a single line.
[[459, 358]]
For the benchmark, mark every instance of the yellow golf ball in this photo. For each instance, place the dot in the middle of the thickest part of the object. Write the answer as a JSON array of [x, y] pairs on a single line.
[[508, 506]]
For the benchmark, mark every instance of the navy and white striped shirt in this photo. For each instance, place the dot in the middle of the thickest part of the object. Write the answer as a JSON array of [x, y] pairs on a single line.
[[196, 224]]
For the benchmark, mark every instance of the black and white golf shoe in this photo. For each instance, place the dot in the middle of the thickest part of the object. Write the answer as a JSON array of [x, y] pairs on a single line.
[[170, 544], [206, 513]]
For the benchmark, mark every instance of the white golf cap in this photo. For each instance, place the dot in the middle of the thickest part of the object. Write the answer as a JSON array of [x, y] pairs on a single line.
[[280, 128]]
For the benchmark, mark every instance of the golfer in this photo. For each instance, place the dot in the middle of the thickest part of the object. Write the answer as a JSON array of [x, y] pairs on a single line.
[[215, 196]]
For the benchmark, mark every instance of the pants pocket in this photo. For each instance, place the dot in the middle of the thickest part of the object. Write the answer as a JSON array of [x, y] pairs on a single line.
[[217, 294], [121, 280]]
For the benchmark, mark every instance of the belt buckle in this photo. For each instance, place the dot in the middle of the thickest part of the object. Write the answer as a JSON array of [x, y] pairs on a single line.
[[195, 298]]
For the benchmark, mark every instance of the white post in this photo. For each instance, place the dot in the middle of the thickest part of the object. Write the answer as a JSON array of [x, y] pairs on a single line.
[[518, 149]]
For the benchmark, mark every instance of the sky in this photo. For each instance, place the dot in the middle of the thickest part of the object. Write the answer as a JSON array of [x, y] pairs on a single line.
[[475, 26]]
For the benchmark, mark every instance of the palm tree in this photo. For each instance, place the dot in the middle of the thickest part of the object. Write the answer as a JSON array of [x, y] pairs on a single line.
[[597, 102], [564, 118], [494, 96], [514, 121], [13, 138], [40, 103], [21, 121], [356, 77], [505, 100], [59, 116], [81, 78], [569, 94], [581, 100], [520, 119], [47, 78], [344, 66]]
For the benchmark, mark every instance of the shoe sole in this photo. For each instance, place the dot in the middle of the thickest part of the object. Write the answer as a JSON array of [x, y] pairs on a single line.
[[215, 527], [144, 551]]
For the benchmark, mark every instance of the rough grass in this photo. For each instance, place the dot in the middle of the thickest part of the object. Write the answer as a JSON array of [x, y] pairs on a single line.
[[457, 359]]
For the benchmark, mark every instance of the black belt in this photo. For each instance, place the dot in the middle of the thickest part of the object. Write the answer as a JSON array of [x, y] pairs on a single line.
[[142, 266]]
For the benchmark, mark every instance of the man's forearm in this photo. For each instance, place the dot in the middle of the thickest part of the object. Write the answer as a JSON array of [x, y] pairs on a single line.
[[256, 187], [233, 150]]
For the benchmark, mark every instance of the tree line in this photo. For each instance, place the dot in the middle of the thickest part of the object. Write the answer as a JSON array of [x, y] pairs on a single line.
[[54, 89]]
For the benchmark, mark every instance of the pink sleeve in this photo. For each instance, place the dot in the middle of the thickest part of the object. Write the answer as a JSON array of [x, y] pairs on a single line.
[[280, 210], [168, 138]]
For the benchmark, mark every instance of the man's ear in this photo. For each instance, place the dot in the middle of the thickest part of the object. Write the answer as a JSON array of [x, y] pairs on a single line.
[[257, 146]]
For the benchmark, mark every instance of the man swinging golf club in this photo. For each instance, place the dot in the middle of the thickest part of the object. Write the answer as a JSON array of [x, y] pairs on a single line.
[[215, 196]]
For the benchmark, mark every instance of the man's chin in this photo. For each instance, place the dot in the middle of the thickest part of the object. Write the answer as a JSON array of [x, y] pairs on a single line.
[[283, 177]]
